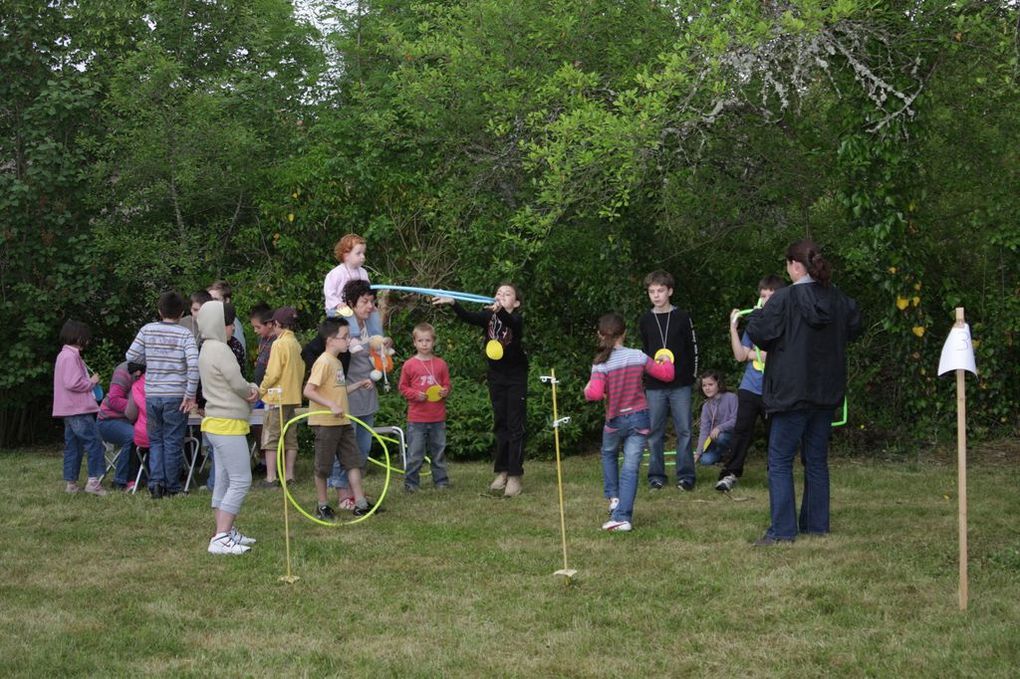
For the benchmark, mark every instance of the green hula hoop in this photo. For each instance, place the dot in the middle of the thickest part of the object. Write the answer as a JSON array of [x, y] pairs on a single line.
[[283, 477]]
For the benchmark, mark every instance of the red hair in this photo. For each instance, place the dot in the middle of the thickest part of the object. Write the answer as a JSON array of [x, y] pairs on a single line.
[[346, 244]]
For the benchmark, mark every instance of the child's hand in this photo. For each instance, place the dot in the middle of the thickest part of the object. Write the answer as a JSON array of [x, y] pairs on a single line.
[[438, 301], [444, 392], [734, 317], [253, 394], [365, 384], [714, 433], [422, 396], [94, 378], [336, 410], [187, 405]]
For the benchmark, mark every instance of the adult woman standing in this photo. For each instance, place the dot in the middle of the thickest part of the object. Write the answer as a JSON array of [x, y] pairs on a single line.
[[805, 329]]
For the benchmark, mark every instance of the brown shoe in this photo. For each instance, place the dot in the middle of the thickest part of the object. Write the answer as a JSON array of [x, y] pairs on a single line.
[[72, 487], [513, 486], [498, 483]]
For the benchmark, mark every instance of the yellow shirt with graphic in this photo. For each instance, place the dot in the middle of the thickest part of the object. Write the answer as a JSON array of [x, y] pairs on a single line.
[[329, 380]]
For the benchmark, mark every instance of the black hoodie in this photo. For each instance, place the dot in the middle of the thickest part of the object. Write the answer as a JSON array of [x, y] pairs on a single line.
[[805, 329]]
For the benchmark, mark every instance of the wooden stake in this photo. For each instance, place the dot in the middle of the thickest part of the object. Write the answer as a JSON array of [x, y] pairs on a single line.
[[961, 447]]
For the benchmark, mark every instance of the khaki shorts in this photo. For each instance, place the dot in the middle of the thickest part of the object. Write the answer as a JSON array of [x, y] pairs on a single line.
[[335, 443], [271, 430]]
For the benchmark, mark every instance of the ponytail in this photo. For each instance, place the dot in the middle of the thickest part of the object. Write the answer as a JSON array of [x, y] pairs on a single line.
[[611, 329], [810, 255]]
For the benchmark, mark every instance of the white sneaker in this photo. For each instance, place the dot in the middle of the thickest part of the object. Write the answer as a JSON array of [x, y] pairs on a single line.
[[617, 526], [95, 487], [223, 543], [614, 502], [240, 539], [726, 483]]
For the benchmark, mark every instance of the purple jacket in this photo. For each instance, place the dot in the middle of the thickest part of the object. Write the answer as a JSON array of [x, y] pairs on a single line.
[[72, 388]]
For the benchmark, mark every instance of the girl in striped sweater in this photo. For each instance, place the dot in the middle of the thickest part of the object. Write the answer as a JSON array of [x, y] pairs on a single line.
[[616, 376]]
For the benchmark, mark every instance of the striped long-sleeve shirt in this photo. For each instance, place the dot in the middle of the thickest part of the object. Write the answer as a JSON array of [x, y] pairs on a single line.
[[170, 356], [619, 380]]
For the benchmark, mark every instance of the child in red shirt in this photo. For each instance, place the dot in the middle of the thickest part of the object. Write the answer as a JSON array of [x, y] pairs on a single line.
[[425, 383]]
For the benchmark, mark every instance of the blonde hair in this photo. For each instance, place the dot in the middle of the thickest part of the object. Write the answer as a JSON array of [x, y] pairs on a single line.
[[423, 328], [346, 244]]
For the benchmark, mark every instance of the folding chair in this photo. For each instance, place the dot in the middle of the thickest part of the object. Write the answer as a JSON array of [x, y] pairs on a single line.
[[143, 462], [399, 433], [110, 456]]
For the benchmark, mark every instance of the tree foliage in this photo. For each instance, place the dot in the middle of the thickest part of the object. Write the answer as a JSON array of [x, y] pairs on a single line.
[[570, 146]]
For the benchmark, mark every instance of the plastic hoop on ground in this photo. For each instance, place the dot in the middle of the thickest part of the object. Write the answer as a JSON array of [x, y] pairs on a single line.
[[294, 503]]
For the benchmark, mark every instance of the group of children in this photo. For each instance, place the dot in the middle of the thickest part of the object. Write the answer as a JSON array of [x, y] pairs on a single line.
[[642, 388], [155, 389]]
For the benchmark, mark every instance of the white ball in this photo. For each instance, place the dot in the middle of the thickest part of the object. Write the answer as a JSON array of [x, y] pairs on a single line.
[[375, 375]]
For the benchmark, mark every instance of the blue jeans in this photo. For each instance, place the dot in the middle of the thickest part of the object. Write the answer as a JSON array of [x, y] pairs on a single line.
[[120, 433], [338, 477], [718, 448], [419, 436], [80, 437], [631, 429], [678, 403], [166, 424], [810, 430]]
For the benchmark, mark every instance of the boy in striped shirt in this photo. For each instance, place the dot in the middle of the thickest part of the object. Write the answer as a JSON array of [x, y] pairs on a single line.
[[170, 355]]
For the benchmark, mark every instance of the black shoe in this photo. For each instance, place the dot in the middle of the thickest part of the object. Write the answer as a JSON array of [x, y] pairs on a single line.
[[325, 513], [269, 484], [655, 485], [157, 491], [685, 486]]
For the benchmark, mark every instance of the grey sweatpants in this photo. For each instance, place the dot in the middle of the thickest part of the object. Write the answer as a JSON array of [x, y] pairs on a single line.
[[233, 472]]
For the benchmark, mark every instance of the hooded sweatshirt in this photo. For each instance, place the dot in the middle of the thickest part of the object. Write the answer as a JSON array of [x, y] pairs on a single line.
[[805, 329], [224, 387]]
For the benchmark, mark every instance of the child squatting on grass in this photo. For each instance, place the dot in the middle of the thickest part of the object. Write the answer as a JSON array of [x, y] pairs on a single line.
[[718, 415], [74, 401], [616, 377]]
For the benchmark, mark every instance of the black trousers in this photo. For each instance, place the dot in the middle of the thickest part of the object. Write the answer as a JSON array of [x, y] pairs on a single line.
[[749, 408], [509, 414]]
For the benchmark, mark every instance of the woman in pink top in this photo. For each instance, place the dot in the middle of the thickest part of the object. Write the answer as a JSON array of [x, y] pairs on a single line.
[[74, 401], [616, 376]]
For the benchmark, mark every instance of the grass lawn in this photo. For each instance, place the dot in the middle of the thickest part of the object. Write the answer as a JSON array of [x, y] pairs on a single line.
[[461, 584]]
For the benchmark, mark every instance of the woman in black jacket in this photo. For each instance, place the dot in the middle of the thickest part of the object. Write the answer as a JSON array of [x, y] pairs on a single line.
[[804, 329]]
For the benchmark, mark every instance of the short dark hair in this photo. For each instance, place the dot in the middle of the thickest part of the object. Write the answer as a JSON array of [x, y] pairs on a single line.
[[331, 326], [75, 332], [170, 305], [771, 282], [133, 367], [660, 278], [201, 297], [261, 311], [355, 290], [229, 314]]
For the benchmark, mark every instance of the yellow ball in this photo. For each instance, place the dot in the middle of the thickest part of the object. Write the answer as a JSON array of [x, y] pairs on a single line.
[[432, 393], [666, 354], [494, 350]]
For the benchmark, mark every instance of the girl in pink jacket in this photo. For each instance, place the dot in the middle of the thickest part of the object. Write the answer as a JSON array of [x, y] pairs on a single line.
[[74, 401]]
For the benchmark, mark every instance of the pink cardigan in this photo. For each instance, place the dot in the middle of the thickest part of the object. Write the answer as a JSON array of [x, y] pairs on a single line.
[[72, 388]]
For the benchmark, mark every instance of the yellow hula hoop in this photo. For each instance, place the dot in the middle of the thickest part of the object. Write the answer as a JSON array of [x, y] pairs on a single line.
[[283, 477]]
